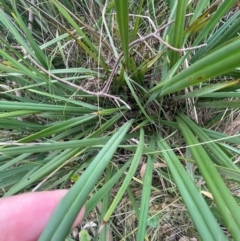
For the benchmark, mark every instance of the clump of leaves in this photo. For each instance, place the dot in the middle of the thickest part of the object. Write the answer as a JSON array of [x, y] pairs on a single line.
[[92, 91]]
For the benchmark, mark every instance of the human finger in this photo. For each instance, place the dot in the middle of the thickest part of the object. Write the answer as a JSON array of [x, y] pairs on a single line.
[[23, 217]]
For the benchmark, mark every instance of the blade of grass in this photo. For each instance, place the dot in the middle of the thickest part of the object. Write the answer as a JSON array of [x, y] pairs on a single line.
[[221, 95], [92, 203], [146, 190], [199, 23], [232, 174], [178, 33], [34, 175], [128, 178], [224, 7], [133, 201], [224, 200], [57, 127], [67, 100], [210, 89], [137, 20], [198, 10], [18, 113], [105, 203], [122, 20], [220, 104], [223, 34], [36, 52], [199, 211], [219, 62], [14, 31], [12, 64], [218, 136], [49, 146], [66, 212], [8, 106], [220, 155], [13, 161]]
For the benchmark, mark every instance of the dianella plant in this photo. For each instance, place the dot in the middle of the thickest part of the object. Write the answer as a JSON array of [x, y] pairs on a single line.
[[131, 105]]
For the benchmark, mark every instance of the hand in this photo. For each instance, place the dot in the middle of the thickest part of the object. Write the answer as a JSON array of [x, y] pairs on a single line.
[[23, 217]]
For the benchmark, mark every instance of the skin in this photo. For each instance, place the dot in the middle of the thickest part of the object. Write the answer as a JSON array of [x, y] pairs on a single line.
[[23, 217]]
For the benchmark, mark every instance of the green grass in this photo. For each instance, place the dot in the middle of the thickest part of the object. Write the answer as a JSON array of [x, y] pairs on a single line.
[[133, 106]]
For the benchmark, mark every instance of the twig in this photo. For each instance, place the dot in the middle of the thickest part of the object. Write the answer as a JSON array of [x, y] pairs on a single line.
[[97, 94], [143, 39], [30, 16], [103, 92]]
